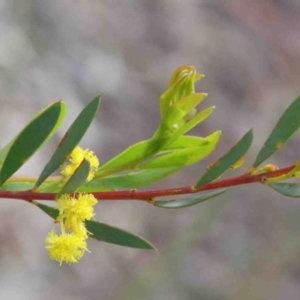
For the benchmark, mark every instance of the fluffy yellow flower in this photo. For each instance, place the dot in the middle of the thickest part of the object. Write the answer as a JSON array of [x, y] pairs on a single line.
[[73, 212], [70, 247], [67, 248], [75, 159]]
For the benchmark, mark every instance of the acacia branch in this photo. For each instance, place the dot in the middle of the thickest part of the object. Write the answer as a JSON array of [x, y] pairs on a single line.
[[148, 196]]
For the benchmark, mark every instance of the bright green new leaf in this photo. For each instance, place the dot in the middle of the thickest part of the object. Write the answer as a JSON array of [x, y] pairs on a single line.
[[171, 120], [181, 108], [31, 138], [104, 232], [185, 157], [185, 141], [198, 118], [286, 189], [178, 115], [189, 102], [71, 139], [287, 125], [23, 185], [180, 203], [185, 75], [182, 83], [132, 180], [132, 156], [78, 178], [178, 158], [226, 161], [17, 186]]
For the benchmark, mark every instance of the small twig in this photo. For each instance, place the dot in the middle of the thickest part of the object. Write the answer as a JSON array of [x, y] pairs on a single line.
[[149, 195]]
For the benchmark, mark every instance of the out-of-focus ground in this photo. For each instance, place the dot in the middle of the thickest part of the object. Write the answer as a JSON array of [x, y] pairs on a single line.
[[242, 245]]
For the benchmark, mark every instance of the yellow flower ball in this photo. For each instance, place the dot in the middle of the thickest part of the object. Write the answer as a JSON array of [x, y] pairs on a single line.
[[74, 211], [67, 248], [75, 159]]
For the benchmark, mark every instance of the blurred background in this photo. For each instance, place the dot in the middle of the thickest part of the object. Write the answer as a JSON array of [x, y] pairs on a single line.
[[242, 245]]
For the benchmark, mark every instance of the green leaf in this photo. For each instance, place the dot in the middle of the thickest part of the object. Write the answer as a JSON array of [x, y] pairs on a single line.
[[71, 139], [132, 180], [286, 189], [23, 185], [113, 235], [50, 211], [77, 179], [191, 101], [287, 125], [104, 232], [185, 141], [31, 138], [185, 157], [4, 151], [181, 108], [180, 203], [198, 118], [182, 84], [179, 121], [133, 155], [226, 161], [17, 186]]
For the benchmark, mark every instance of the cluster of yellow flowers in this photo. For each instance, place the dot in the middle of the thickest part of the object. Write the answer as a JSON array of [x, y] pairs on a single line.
[[75, 159], [73, 212]]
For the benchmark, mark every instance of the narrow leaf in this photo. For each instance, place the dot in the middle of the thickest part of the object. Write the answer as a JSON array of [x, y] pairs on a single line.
[[287, 125], [50, 211], [176, 131], [17, 186], [71, 139], [104, 232], [191, 101], [180, 203], [185, 141], [185, 157], [132, 180], [77, 179], [286, 189], [31, 138], [21, 185], [229, 159], [4, 151], [181, 108], [198, 118], [114, 235], [133, 155]]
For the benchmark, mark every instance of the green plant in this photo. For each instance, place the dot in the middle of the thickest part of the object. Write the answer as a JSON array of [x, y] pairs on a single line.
[[168, 151]]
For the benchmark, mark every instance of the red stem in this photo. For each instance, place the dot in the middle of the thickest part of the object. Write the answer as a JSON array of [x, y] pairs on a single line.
[[149, 195]]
